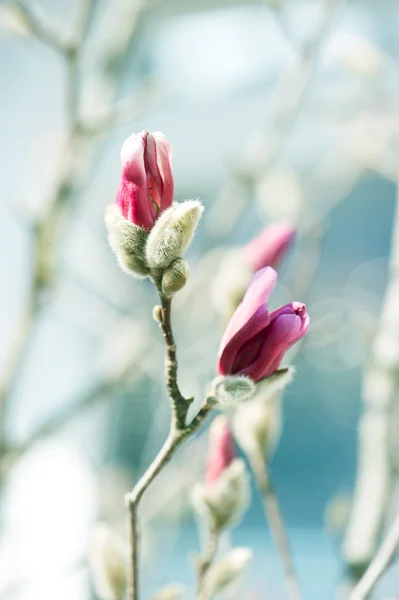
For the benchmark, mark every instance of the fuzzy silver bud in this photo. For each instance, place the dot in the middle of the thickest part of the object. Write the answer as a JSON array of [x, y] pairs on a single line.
[[108, 563], [128, 242], [226, 570], [172, 233], [224, 502], [175, 276]]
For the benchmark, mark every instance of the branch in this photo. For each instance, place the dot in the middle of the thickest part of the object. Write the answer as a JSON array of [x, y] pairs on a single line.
[[94, 395], [375, 472], [179, 432], [41, 31], [276, 524], [379, 565]]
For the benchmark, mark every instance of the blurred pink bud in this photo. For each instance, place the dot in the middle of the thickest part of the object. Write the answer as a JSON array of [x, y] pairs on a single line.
[[221, 449], [269, 248], [255, 340], [146, 187]]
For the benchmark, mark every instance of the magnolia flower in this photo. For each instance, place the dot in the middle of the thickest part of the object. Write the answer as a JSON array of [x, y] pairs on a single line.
[[269, 248], [146, 187], [255, 340], [221, 449]]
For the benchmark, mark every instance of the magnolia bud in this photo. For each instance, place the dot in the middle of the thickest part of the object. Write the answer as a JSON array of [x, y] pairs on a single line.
[[175, 276], [224, 503], [173, 591], [231, 389], [226, 571], [172, 233], [128, 241], [108, 563], [257, 424]]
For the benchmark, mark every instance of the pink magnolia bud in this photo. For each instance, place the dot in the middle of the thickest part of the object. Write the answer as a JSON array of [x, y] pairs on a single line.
[[269, 248], [146, 187], [255, 340], [221, 449]]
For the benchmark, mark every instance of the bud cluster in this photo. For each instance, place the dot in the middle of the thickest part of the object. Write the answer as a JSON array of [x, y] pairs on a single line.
[[148, 232]]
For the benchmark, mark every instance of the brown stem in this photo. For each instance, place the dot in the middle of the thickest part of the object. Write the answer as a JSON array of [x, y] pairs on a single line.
[[179, 431], [276, 524], [179, 402]]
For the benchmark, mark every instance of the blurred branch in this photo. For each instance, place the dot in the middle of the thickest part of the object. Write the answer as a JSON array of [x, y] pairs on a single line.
[[379, 564], [40, 30], [375, 472], [276, 523], [76, 163], [286, 102], [99, 392]]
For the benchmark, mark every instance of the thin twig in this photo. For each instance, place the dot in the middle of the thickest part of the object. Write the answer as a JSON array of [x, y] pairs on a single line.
[[179, 432], [379, 564], [276, 524], [77, 159]]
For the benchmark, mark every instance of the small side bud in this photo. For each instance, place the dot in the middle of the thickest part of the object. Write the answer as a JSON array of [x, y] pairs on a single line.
[[175, 276], [128, 242], [157, 313], [172, 233], [108, 563], [172, 591], [231, 389], [224, 503], [226, 571]]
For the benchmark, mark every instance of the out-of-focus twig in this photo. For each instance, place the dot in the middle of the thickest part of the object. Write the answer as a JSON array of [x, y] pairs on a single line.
[[379, 564], [40, 30], [96, 393], [205, 562], [285, 105], [276, 524], [76, 163], [375, 473]]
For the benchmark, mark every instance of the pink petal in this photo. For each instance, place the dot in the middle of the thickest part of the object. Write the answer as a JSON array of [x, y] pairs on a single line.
[[164, 154], [250, 317], [270, 247]]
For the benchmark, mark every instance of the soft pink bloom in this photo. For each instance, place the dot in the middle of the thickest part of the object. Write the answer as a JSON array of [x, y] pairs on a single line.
[[146, 187], [269, 248], [255, 340], [221, 449]]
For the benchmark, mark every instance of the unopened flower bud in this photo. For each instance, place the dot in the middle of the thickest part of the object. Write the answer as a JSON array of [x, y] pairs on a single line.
[[226, 570], [128, 242], [172, 233], [175, 276], [108, 563], [256, 340], [146, 187], [224, 503], [270, 247], [257, 428], [221, 449], [257, 423]]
